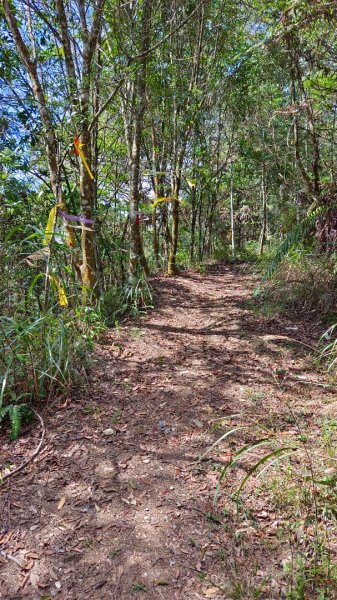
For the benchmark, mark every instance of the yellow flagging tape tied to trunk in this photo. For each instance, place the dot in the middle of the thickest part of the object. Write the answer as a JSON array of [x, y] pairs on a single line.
[[164, 199], [191, 182], [49, 231], [63, 300], [78, 151]]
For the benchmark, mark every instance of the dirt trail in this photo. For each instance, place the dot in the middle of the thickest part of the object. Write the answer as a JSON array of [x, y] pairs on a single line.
[[115, 506]]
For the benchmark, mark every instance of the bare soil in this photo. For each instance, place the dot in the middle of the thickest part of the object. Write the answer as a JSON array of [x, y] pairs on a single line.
[[116, 505]]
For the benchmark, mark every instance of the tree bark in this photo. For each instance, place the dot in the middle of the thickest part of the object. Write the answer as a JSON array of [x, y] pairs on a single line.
[[262, 238], [171, 267], [232, 215], [137, 260], [193, 222], [48, 128], [87, 184]]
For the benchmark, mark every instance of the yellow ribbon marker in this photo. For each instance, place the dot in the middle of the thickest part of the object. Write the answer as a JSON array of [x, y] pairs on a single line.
[[164, 199], [63, 300], [191, 182], [78, 151], [49, 231]]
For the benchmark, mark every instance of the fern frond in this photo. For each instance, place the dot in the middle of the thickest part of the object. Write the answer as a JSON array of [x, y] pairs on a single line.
[[16, 413], [3, 412], [15, 417]]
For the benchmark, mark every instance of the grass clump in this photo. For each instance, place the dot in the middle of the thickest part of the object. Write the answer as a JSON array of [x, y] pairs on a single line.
[[42, 356], [306, 284], [295, 476]]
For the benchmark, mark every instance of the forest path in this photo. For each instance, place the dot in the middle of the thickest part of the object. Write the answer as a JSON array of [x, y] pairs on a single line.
[[115, 506]]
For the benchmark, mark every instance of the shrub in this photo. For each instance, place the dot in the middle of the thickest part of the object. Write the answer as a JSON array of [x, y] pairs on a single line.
[[306, 283]]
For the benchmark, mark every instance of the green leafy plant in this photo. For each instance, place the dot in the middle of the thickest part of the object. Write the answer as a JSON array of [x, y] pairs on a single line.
[[17, 414], [329, 350], [42, 355], [131, 298], [293, 238], [139, 587], [138, 296], [309, 504]]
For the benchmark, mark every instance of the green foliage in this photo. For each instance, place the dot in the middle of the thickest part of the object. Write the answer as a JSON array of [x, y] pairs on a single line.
[[328, 353], [137, 296], [131, 298], [302, 489], [247, 253], [16, 413], [42, 355], [267, 461], [139, 587], [306, 283], [44, 348], [294, 238]]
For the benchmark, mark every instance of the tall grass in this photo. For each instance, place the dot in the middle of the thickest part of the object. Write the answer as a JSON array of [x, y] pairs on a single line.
[[44, 347], [42, 356], [296, 478]]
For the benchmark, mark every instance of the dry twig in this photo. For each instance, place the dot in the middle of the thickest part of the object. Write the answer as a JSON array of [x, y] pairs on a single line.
[[31, 457], [18, 561]]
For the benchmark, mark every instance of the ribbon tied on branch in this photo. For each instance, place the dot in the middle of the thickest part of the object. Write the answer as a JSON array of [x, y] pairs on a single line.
[[78, 150]]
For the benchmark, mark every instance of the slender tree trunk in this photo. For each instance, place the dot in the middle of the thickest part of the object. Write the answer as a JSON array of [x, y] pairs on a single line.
[[167, 238], [311, 126], [159, 192], [200, 251], [157, 186], [137, 257], [87, 184], [332, 147], [232, 215], [49, 132], [87, 192], [193, 222], [155, 242], [180, 145], [171, 267], [311, 186], [264, 212]]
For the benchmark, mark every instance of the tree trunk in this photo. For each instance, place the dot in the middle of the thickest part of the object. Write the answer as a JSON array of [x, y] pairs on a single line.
[[193, 223], [87, 184], [79, 109], [264, 213], [312, 185], [137, 260], [88, 268], [172, 267], [49, 133], [232, 216]]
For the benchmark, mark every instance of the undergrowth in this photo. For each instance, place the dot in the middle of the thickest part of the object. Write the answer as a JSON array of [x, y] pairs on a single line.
[[128, 299], [42, 356], [294, 475], [47, 324], [306, 284], [44, 353]]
